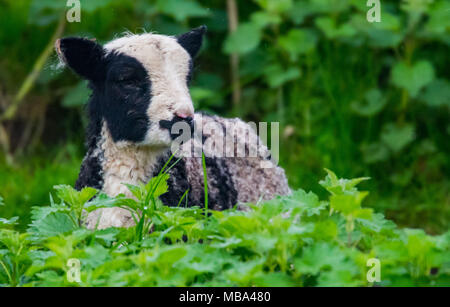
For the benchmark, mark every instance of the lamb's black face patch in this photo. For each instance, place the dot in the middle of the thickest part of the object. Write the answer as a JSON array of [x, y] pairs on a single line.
[[125, 98]]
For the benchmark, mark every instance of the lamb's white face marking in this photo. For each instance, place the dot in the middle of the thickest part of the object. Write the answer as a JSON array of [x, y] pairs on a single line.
[[167, 64]]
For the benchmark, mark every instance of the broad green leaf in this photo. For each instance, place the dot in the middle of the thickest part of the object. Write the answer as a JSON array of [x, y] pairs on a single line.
[[437, 93], [52, 225], [76, 199], [182, 9], [104, 201], [397, 137], [377, 223], [276, 7], [277, 76], [95, 256], [438, 21], [373, 104], [323, 258], [412, 78], [245, 39], [137, 191], [263, 19], [297, 42], [11, 221], [332, 31], [416, 6], [158, 185], [349, 204], [375, 152], [299, 11]]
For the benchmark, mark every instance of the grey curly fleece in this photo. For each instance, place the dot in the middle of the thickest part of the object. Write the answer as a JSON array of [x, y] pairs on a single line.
[[231, 180]]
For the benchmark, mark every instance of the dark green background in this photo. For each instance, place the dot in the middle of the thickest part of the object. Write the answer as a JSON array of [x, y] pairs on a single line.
[[360, 98]]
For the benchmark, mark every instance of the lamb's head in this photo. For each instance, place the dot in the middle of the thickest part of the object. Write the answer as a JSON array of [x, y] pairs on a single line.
[[139, 82]]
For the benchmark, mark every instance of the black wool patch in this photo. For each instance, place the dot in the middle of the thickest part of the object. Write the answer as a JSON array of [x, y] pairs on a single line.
[[227, 196], [90, 173], [178, 183]]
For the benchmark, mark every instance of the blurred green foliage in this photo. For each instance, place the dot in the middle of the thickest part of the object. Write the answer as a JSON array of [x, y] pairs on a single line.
[[365, 99]]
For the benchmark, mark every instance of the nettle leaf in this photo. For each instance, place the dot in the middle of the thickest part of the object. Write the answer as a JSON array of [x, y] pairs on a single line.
[[437, 93], [397, 137], [297, 42], [377, 223], [95, 256], [374, 103], [108, 235], [11, 221], [39, 213], [158, 185], [104, 201], [181, 10], [76, 199], [245, 39], [350, 204], [320, 257], [412, 78], [301, 202], [337, 186], [137, 191], [73, 197], [52, 225]]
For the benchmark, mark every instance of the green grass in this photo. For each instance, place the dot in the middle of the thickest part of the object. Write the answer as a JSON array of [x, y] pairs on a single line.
[[28, 182], [297, 240]]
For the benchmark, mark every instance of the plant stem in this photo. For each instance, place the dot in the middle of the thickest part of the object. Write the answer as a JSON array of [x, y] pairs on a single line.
[[233, 21], [7, 272], [34, 74]]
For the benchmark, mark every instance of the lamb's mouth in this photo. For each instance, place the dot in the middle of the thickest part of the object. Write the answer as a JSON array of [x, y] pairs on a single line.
[[184, 125]]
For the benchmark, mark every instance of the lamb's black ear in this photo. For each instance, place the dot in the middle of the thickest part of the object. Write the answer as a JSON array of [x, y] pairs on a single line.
[[192, 40], [84, 56]]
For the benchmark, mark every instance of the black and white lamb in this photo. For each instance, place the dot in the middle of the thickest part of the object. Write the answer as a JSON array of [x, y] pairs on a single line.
[[139, 91]]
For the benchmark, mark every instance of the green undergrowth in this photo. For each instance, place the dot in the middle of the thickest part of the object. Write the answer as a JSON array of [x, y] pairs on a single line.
[[296, 240]]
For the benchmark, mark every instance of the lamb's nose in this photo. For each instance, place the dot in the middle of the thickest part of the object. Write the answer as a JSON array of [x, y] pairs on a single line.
[[184, 114]]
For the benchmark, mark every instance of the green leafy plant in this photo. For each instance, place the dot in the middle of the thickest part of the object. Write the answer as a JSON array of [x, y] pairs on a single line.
[[296, 240]]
